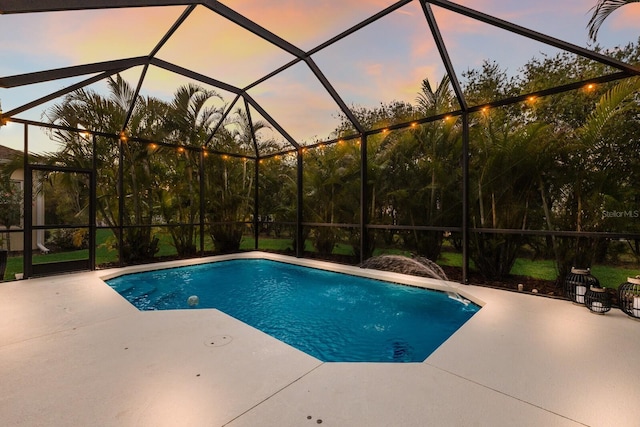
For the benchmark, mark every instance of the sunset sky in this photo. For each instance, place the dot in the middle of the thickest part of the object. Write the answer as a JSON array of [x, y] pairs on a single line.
[[383, 62]]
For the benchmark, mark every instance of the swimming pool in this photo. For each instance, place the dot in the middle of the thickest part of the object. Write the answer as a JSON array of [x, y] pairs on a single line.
[[332, 316]]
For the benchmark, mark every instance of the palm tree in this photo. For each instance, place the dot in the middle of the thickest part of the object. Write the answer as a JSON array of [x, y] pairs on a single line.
[[229, 181], [438, 145], [90, 110], [332, 185], [601, 11], [601, 182], [418, 182], [189, 121]]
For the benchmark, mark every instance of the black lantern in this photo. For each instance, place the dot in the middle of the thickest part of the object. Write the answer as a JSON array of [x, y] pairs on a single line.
[[629, 297], [597, 300], [577, 283]]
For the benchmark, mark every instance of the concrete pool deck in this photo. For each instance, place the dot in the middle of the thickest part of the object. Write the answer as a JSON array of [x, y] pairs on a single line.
[[75, 353]]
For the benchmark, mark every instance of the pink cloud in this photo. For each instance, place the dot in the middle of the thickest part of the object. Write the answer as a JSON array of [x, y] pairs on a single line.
[[303, 108], [627, 17], [308, 23], [373, 69], [91, 36], [392, 68]]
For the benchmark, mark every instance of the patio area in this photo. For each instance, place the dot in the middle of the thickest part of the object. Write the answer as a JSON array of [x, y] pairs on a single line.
[[73, 352]]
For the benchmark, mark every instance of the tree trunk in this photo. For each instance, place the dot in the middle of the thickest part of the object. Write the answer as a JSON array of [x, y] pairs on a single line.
[[547, 214]]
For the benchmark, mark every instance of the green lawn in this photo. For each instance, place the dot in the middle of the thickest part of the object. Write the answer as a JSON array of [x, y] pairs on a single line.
[[103, 256], [612, 277], [609, 276]]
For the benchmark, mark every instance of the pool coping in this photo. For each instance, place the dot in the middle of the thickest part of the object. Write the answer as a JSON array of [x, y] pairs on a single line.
[[74, 352]]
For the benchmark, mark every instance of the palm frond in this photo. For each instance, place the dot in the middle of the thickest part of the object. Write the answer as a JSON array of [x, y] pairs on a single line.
[[433, 102], [601, 11], [612, 103]]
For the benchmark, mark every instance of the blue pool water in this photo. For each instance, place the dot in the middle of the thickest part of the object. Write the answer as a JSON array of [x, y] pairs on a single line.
[[331, 316]]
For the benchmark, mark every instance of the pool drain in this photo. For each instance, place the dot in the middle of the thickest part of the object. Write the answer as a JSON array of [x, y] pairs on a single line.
[[218, 340], [401, 351]]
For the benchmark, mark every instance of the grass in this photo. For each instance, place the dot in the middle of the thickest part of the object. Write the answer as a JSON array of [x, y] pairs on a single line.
[[539, 269], [282, 245], [609, 276], [103, 256], [612, 277]]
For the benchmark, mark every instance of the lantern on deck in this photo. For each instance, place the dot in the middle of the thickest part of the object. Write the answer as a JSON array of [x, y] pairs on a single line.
[[597, 300], [577, 283], [629, 297]]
